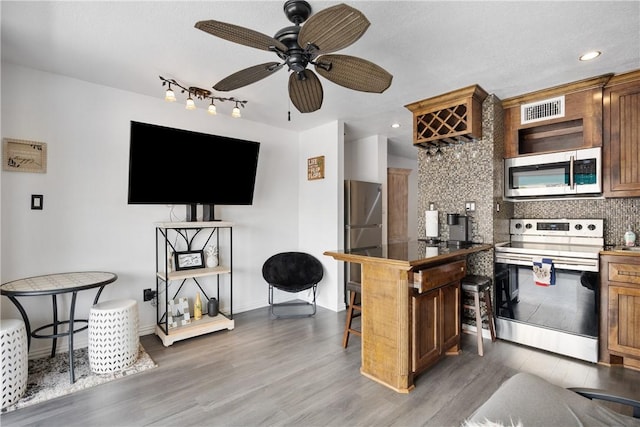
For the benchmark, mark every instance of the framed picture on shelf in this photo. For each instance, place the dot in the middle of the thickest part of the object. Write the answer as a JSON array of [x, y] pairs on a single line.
[[178, 312], [187, 260]]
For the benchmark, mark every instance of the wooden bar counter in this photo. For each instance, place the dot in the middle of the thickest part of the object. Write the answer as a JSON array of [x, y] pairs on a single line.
[[410, 307]]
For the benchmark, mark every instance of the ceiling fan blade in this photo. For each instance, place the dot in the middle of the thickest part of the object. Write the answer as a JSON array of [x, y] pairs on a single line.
[[305, 94], [354, 73], [241, 35], [333, 28], [247, 76]]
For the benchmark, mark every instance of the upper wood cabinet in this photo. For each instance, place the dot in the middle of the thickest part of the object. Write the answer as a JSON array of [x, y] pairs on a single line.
[[621, 136], [398, 204], [446, 118], [551, 123]]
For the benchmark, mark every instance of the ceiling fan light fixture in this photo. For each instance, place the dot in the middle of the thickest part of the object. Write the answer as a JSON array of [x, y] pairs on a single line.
[[327, 31], [212, 109]]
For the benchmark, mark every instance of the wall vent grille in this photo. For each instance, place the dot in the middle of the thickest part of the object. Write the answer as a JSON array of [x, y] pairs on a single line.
[[552, 108]]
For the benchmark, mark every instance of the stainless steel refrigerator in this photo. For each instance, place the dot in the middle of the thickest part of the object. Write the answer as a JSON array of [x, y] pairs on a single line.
[[362, 222]]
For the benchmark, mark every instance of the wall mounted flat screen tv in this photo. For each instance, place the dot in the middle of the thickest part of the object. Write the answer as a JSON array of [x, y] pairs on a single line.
[[170, 166]]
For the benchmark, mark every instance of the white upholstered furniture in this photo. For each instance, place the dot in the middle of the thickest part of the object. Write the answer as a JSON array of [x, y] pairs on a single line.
[[14, 355], [113, 335]]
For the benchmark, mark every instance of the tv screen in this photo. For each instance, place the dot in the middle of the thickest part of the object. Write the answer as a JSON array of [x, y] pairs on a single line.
[[173, 166]]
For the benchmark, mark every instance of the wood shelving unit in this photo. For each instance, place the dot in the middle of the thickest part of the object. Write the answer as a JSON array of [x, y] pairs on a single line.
[[170, 283]]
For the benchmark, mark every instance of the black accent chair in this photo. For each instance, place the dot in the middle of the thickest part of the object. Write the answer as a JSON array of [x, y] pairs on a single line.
[[292, 272]]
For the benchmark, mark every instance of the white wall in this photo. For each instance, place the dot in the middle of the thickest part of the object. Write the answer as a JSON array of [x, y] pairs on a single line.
[[321, 206], [86, 222]]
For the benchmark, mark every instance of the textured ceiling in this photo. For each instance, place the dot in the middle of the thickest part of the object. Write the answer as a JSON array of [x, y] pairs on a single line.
[[430, 47]]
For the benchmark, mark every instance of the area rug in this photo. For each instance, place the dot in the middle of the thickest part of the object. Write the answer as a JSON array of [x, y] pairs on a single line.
[[49, 377]]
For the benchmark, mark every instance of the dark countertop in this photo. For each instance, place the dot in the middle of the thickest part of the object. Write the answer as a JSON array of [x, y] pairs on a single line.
[[408, 254]]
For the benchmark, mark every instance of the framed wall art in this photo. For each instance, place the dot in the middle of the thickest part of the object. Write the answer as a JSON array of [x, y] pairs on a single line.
[[24, 156], [315, 168]]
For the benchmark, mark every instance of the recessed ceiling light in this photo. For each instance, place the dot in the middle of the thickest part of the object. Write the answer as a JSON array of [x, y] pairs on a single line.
[[590, 55], [395, 125]]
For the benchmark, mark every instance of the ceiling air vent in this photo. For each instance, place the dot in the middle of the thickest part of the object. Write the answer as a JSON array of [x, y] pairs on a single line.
[[552, 108]]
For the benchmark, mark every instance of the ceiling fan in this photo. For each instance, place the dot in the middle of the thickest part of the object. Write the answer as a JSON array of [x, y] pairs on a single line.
[[327, 31]]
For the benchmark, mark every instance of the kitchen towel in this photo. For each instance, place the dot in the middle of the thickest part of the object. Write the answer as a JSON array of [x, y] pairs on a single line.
[[543, 272]]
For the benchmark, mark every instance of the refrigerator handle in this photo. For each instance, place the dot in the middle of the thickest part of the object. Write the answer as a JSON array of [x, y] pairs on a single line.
[[572, 182]]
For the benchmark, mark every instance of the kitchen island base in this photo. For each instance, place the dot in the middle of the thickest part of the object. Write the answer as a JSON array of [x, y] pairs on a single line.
[[410, 311]]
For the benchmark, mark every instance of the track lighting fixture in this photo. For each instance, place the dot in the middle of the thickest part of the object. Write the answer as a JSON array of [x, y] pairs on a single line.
[[169, 95], [200, 94], [236, 111], [190, 104], [212, 109]]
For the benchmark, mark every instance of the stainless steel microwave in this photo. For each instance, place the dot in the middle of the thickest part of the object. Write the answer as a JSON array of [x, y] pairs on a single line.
[[565, 173]]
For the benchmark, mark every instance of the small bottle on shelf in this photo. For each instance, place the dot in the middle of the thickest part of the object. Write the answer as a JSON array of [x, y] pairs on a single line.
[[629, 237], [197, 308]]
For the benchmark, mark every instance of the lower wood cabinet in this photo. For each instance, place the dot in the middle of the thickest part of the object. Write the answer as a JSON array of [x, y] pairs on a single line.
[[436, 324], [620, 310]]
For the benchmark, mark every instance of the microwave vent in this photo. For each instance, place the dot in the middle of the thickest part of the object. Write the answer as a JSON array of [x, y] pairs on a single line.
[[552, 108]]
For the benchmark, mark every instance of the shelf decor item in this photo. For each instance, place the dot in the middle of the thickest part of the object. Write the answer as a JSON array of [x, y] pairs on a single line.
[[178, 312], [186, 260], [197, 308], [212, 256], [212, 307]]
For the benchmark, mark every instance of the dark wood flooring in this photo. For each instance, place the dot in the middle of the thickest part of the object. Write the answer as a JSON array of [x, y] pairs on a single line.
[[294, 372]]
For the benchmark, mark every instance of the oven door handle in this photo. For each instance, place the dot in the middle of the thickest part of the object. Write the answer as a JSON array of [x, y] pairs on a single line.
[[558, 262]]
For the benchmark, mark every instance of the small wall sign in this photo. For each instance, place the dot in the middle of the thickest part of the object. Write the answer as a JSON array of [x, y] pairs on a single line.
[[315, 168], [24, 156]]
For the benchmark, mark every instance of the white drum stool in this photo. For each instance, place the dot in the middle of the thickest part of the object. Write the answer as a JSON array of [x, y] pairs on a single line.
[[14, 353], [113, 335]]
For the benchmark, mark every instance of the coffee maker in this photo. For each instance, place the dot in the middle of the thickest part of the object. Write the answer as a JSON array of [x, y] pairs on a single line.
[[458, 230]]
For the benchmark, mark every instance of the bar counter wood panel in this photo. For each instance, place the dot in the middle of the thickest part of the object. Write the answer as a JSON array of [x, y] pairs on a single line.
[[391, 324], [386, 326]]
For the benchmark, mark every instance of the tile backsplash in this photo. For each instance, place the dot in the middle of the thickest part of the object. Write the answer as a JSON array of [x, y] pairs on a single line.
[[617, 213]]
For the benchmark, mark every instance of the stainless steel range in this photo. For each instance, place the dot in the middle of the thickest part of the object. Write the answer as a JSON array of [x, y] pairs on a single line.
[[547, 282]]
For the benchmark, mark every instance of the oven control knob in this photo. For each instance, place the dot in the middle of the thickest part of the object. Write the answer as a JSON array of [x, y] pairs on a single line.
[[591, 227], [578, 227], [528, 226], [518, 226]]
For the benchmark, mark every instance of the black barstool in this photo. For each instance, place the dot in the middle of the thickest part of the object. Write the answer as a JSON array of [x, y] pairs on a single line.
[[479, 287]]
